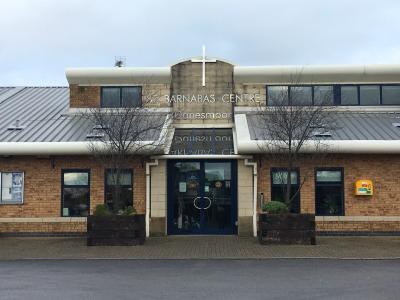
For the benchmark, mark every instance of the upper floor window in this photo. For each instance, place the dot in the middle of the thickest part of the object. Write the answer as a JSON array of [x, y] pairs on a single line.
[[337, 94], [391, 94], [127, 96], [370, 95], [301, 95]]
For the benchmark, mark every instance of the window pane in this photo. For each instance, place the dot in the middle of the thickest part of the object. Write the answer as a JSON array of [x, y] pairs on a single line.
[[110, 97], [323, 95], [329, 200], [280, 177], [329, 176], [126, 196], [391, 95], [76, 178], [12, 187], [124, 191], [369, 95], [277, 95], [125, 178], [301, 95], [131, 96], [75, 202], [349, 95]]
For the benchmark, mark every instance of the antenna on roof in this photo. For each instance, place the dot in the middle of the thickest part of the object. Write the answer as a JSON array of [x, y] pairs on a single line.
[[120, 61]]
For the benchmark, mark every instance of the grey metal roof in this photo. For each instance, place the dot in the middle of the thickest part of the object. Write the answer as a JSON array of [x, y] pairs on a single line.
[[42, 114], [349, 126]]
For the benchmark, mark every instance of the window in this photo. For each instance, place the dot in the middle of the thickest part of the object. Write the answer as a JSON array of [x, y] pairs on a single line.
[[349, 95], [300, 95], [369, 95], [329, 192], [125, 187], [75, 193], [277, 95], [278, 187], [323, 95], [391, 94], [121, 96], [12, 187]]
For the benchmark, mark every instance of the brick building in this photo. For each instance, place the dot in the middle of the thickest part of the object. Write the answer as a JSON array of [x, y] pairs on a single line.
[[211, 175]]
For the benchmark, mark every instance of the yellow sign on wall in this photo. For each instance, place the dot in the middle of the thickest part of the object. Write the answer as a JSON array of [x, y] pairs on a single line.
[[364, 187]]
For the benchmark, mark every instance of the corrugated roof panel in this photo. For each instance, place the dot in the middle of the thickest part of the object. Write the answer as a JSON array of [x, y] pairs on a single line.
[[350, 126]]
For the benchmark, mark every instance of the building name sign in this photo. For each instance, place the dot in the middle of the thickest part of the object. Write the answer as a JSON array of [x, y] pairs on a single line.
[[211, 98], [201, 115]]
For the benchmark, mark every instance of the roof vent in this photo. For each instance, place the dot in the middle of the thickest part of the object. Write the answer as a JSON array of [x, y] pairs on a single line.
[[323, 134], [396, 125], [16, 126], [96, 133]]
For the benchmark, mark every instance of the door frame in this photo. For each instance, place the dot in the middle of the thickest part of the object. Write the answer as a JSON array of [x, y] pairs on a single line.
[[234, 203]]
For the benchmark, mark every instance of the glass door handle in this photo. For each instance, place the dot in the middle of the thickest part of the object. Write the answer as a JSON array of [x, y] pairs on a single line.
[[209, 203], [194, 202]]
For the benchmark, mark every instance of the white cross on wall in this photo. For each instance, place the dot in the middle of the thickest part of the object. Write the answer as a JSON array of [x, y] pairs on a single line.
[[204, 61]]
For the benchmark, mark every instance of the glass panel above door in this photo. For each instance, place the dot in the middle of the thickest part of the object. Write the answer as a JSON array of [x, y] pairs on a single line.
[[202, 142]]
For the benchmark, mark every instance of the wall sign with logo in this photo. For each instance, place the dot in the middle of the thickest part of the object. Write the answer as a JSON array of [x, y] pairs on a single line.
[[364, 187], [202, 142]]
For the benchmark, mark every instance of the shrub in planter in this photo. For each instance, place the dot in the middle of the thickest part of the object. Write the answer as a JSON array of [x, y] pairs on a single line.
[[278, 226], [105, 228], [275, 207]]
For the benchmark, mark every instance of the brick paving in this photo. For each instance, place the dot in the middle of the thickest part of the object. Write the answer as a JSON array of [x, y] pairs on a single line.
[[198, 247]]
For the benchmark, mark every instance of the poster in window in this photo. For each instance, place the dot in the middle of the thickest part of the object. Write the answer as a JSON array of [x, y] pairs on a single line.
[[16, 190]]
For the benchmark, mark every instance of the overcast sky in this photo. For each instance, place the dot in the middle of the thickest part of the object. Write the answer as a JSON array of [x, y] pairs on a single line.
[[40, 38]]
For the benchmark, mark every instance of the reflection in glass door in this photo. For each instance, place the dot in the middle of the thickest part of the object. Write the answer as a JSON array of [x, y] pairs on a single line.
[[202, 197]]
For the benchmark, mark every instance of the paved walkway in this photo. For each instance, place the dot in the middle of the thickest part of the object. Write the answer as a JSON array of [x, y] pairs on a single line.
[[198, 247]]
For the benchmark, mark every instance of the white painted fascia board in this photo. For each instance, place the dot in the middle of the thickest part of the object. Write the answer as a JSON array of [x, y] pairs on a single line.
[[247, 146], [115, 75]]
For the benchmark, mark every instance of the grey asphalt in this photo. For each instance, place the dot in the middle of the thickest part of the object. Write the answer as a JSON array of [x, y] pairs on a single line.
[[200, 279]]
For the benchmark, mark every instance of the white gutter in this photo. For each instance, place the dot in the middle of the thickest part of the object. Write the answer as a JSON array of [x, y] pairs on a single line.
[[148, 196], [248, 146], [63, 148], [255, 183]]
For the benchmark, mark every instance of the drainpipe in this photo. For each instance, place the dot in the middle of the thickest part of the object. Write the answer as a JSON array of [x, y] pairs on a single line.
[[254, 165], [148, 182]]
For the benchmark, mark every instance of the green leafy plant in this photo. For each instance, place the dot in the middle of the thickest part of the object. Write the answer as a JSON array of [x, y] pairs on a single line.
[[128, 211], [275, 207], [102, 210]]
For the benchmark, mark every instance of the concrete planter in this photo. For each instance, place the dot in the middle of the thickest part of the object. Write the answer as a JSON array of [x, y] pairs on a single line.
[[287, 229], [116, 230]]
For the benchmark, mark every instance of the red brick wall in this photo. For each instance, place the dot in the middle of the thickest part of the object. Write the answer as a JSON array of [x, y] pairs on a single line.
[[383, 170], [42, 188]]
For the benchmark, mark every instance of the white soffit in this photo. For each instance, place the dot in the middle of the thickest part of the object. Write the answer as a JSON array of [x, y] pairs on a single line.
[[318, 74], [115, 75]]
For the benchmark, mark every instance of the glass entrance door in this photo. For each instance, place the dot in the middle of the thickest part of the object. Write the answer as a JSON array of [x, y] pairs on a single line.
[[202, 197]]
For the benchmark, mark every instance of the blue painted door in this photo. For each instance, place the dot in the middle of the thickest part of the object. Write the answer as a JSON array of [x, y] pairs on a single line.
[[202, 197]]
